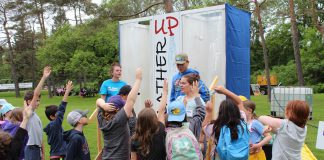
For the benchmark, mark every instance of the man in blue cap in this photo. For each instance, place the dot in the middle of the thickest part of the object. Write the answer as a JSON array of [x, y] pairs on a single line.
[[182, 62]]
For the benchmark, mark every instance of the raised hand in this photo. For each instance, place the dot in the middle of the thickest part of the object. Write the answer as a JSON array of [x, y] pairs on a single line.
[[148, 103], [69, 86], [139, 73], [219, 89], [195, 88], [47, 71], [27, 112]]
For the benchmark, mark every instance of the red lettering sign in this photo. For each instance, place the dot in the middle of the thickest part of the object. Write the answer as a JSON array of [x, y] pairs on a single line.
[[172, 23]]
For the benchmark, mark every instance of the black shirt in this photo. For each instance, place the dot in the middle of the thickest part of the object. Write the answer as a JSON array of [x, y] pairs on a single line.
[[13, 151], [157, 149]]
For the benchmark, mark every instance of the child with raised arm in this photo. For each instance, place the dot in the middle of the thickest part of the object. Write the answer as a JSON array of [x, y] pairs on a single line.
[[34, 147], [54, 130], [229, 131], [181, 143], [290, 132], [116, 130], [148, 141], [11, 147]]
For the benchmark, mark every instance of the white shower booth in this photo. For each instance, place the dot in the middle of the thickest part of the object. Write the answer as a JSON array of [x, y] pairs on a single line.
[[216, 39]]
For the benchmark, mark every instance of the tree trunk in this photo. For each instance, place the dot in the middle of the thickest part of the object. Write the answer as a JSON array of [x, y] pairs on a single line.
[[185, 4], [319, 27], [75, 15], [295, 40], [49, 87], [168, 6], [40, 18], [11, 55], [33, 63], [264, 48], [80, 14]]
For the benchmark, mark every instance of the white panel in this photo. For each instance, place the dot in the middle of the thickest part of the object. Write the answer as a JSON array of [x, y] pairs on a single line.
[[166, 42], [204, 42], [135, 51], [200, 34]]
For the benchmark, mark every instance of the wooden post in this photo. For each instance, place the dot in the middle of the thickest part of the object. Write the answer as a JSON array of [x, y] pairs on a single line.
[[99, 147], [212, 100]]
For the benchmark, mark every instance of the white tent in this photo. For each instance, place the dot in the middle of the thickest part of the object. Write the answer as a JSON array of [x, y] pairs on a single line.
[[207, 35]]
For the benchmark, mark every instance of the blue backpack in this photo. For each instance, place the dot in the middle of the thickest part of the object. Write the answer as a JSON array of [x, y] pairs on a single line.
[[229, 149]]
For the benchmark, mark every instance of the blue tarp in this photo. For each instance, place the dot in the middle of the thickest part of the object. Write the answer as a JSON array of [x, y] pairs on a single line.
[[237, 51]]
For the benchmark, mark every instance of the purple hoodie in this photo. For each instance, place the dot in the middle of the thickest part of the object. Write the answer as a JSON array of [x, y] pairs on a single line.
[[12, 128]]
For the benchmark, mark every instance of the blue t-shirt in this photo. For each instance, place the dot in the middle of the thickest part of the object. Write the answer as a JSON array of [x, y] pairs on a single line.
[[111, 88], [256, 131]]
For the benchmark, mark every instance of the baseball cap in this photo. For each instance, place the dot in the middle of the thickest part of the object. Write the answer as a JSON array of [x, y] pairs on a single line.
[[117, 101], [3, 101], [74, 116], [243, 98], [176, 111], [6, 108], [181, 58]]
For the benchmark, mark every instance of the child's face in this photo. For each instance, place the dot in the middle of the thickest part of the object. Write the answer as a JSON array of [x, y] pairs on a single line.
[[53, 117], [248, 113], [37, 102], [185, 85], [117, 72], [84, 121]]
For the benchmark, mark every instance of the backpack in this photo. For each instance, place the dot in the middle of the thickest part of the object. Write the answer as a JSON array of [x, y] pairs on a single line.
[[182, 144], [236, 149]]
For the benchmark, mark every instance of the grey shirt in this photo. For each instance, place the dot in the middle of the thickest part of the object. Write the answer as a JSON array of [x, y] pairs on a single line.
[[116, 136], [288, 142], [35, 130], [195, 122]]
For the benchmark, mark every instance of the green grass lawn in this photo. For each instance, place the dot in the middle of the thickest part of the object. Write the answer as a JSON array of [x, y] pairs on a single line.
[[75, 102]]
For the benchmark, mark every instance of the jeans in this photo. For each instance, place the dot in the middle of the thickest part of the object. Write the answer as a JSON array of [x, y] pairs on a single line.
[[32, 152]]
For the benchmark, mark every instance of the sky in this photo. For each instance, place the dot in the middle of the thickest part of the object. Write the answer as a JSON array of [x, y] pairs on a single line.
[[48, 22]]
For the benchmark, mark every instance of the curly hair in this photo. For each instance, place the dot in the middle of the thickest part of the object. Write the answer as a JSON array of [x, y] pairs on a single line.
[[5, 140], [146, 126], [228, 115]]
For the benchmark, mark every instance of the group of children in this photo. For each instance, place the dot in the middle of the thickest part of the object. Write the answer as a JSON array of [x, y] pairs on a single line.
[[178, 130], [175, 131], [21, 130]]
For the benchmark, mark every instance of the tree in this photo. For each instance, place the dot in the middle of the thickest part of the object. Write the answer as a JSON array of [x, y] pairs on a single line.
[[168, 6], [4, 9], [312, 54], [39, 11], [295, 40], [264, 48], [315, 18]]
